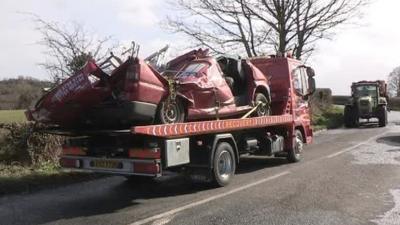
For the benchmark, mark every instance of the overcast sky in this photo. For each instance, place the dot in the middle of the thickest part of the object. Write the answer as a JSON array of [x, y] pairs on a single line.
[[370, 51]]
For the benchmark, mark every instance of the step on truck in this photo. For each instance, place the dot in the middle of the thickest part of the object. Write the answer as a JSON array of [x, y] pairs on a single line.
[[212, 148]]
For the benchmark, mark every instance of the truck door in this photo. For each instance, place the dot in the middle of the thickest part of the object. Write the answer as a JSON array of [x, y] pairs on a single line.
[[301, 105]]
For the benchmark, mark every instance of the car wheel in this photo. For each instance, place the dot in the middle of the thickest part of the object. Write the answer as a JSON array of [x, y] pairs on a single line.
[[171, 111], [264, 109]]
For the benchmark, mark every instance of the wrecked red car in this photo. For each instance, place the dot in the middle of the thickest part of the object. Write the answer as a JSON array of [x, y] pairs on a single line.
[[193, 86]]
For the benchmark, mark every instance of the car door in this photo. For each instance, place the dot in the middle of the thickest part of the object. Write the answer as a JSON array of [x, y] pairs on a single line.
[[223, 93]]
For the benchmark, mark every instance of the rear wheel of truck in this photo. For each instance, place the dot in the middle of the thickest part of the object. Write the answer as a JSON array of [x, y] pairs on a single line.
[[224, 165], [294, 154], [136, 179], [264, 109], [382, 116], [171, 111]]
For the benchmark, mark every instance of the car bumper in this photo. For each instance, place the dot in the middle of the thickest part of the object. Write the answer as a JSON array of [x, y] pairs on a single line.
[[122, 114]]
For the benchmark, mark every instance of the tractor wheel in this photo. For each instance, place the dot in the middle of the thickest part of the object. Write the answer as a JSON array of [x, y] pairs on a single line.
[[382, 116], [171, 111], [351, 118], [265, 108], [348, 118]]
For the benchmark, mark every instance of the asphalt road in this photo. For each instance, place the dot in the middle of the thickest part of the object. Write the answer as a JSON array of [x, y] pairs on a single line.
[[348, 176]]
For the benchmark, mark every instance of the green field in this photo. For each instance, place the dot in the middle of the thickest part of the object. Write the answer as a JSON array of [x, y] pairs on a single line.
[[10, 116]]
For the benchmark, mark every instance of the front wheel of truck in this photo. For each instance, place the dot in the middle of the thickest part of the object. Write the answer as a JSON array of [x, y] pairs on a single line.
[[294, 154]]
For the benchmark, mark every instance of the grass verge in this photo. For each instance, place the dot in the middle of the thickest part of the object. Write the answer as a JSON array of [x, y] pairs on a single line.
[[16, 179], [329, 118], [12, 116]]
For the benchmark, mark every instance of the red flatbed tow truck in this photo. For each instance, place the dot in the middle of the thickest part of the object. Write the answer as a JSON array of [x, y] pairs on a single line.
[[210, 148]]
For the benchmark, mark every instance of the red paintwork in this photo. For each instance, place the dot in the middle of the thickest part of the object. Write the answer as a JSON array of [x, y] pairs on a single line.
[[284, 98], [150, 87], [136, 81], [207, 89], [290, 109], [66, 104], [209, 127], [63, 104]]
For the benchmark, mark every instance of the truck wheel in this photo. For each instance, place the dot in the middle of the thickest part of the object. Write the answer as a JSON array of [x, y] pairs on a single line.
[[224, 165], [265, 108], [171, 111], [136, 179], [294, 154], [382, 116]]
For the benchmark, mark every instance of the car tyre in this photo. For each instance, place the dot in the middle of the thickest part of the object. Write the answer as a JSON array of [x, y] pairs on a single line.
[[171, 111], [265, 108]]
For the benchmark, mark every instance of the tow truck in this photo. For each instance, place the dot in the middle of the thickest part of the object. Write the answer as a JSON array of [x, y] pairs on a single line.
[[211, 148]]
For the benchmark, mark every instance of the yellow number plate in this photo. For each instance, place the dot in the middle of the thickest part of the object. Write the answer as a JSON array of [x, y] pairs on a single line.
[[106, 164]]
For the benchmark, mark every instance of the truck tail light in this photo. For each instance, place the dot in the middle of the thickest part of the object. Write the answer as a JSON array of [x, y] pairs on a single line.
[[70, 163], [146, 168], [73, 151], [153, 153]]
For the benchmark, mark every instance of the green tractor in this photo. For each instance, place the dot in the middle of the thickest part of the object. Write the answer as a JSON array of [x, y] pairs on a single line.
[[368, 100]]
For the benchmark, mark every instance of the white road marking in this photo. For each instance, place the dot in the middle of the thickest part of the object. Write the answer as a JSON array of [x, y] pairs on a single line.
[[163, 220], [355, 146], [206, 200]]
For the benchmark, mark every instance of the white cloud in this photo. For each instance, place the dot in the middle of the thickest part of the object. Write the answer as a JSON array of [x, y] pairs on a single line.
[[369, 52], [138, 13]]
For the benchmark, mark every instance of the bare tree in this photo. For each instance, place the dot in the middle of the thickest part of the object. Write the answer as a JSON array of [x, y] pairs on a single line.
[[316, 19], [68, 47], [281, 24], [223, 26], [394, 83]]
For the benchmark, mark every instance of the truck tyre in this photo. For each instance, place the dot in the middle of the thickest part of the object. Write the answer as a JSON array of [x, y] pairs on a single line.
[[136, 179], [171, 111], [224, 165], [382, 116], [265, 108], [294, 154]]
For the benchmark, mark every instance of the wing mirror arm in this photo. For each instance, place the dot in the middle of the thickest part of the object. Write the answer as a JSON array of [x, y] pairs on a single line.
[[311, 82]]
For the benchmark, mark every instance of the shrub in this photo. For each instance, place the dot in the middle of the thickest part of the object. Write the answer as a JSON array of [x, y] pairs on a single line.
[[19, 143]]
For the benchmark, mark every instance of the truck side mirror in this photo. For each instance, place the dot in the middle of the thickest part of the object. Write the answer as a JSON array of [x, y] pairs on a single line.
[[310, 71], [311, 81], [311, 86]]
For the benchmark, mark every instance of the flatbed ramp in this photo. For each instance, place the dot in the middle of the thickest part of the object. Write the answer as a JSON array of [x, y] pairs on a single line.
[[209, 127]]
